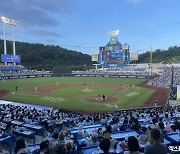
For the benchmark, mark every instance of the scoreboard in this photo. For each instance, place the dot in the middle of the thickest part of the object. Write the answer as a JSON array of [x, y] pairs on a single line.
[[113, 55]]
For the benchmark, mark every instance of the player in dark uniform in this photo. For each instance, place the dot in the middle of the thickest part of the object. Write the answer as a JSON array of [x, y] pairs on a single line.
[[104, 97]]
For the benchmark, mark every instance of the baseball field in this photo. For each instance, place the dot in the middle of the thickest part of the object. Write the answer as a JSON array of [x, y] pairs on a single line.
[[77, 93]]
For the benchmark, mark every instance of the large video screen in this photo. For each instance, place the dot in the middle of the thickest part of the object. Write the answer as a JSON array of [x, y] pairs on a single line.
[[10, 58], [111, 57], [114, 54]]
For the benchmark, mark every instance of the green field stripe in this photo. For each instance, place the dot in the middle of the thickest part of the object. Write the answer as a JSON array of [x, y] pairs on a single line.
[[134, 97]]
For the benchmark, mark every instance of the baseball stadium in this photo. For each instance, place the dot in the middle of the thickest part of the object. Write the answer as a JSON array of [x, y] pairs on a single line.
[[83, 91], [55, 100]]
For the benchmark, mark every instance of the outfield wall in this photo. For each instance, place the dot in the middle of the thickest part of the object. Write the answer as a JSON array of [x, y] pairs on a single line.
[[74, 75], [23, 76], [115, 76]]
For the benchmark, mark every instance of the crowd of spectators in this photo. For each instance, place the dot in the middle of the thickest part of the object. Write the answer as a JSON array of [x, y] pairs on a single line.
[[165, 80], [151, 123], [23, 73], [111, 72], [19, 70]]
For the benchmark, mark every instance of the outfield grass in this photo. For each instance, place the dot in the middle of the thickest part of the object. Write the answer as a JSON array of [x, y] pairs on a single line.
[[32, 82], [67, 97]]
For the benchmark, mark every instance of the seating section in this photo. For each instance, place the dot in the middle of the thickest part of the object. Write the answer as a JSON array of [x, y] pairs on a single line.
[[25, 129], [22, 72], [165, 80]]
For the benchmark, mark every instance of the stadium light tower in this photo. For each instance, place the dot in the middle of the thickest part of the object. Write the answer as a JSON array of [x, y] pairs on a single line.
[[4, 20], [13, 23]]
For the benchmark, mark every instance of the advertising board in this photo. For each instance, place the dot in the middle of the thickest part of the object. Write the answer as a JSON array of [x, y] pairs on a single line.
[[10, 58]]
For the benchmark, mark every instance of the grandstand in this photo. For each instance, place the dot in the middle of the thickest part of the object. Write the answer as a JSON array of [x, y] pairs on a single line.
[[68, 132]]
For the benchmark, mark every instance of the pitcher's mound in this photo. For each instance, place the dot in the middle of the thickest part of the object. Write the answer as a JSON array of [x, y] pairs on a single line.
[[86, 90]]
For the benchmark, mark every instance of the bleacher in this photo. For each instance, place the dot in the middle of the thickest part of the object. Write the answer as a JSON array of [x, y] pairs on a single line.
[[165, 80], [69, 132]]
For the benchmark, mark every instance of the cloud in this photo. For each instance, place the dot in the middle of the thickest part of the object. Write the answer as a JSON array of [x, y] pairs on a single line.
[[135, 2], [33, 13], [44, 33]]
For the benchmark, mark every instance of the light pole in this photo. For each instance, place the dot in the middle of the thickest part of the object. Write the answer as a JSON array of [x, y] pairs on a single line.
[[4, 20], [172, 76], [13, 23], [150, 63]]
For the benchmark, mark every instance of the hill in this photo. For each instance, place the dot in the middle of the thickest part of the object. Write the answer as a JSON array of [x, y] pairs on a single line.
[[39, 56], [172, 54]]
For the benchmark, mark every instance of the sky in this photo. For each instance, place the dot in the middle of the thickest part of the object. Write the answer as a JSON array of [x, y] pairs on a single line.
[[82, 25]]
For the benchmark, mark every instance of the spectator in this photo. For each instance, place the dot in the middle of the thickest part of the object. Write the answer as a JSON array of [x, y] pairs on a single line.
[[106, 134], [133, 146], [135, 125], [156, 147], [109, 128], [8, 129], [70, 149], [105, 145], [161, 128], [44, 147], [20, 144], [173, 128], [177, 123]]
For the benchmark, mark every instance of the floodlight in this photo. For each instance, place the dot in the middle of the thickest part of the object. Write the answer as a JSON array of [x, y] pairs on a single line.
[[5, 20], [9, 21], [13, 22]]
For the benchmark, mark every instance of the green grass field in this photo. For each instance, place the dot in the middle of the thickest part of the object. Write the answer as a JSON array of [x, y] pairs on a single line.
[[73, 98]]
